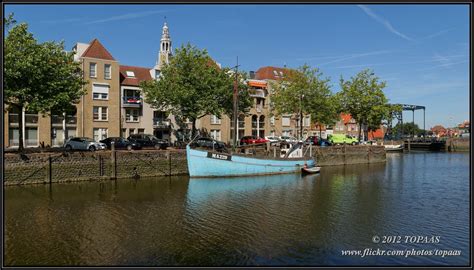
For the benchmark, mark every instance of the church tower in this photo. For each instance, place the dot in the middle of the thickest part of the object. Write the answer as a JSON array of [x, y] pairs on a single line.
[[165, 49]]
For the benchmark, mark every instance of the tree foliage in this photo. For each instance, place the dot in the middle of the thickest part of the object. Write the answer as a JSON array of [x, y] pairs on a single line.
[[362, 96], [408, 129], [304, 91], [192, 86], [38, 76]]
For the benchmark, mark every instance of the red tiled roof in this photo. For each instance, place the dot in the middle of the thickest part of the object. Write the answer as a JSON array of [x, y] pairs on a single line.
[[141, 74], [97, 50], [346, 118], [257, 83], [378, 134], [438, 129], [268, 73]]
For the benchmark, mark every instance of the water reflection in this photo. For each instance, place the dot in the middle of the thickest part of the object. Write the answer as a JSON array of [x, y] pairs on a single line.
[[271, 220]]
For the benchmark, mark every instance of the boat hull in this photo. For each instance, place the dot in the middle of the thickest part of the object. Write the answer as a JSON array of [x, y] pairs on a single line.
[[310, 170], [210, 164]]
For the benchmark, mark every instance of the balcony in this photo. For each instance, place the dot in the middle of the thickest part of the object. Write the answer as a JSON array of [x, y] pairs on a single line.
[[257, 93], [132, 102], [161, 123]]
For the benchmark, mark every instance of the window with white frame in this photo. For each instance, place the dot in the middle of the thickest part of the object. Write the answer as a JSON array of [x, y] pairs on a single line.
[[215, 120], [100, 134], [93, 70], [100, 113], [130, 74], [100, 91], [272, 120], [216, 134], [107, 71], [307, 121], [285, 121], [131, 115]]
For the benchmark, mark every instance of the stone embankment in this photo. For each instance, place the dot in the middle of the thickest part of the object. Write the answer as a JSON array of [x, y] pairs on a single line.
[[39, 168]]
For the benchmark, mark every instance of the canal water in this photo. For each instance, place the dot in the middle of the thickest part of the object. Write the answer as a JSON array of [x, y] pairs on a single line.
[[274, 221]]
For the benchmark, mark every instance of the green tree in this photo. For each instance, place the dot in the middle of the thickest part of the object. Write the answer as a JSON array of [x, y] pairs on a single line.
[[38, 76], [362, 96], [304, 91], [192, 86], [408, 129]]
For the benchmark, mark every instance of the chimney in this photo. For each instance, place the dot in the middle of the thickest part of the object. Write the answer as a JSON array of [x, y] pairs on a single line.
[[252, 74]]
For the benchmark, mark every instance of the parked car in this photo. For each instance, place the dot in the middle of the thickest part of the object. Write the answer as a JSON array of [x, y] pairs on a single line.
[[209, 143], [148, 140], [83, 143], [324, 142], [252, 140], [121, 143], [312, 140], [315, 140], [273, 139], [342, 139], [288, 139]]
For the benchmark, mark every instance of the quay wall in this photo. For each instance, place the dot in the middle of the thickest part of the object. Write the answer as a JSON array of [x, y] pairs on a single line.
[[44, 168], [350, 154], [458, 144]]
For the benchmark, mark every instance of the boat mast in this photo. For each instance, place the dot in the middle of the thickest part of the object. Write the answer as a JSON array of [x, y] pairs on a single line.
[[236, 109]]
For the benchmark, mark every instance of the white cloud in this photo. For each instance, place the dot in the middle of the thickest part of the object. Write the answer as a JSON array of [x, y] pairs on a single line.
[[128, 16], [439, 33], [384, 22]]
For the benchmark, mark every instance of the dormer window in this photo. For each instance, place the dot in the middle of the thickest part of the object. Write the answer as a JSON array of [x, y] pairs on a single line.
[[275, 73], [130, 74]]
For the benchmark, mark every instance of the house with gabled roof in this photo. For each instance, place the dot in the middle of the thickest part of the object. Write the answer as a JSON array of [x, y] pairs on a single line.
[[98, 112]]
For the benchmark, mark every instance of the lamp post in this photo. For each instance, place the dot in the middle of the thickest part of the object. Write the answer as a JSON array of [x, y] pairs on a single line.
[[301, 116]]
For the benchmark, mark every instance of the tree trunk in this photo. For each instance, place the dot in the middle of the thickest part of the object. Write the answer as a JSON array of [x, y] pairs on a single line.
[[193, 131], [301, 125], [320, 132], [20, 129], [360, 131]]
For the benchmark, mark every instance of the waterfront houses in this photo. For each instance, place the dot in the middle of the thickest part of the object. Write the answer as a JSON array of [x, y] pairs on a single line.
[[98, 111], [112, 106], [259, 120]]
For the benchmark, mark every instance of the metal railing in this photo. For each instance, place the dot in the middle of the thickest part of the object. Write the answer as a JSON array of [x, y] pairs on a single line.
[[161, 123], [132, 101], [257, 93]]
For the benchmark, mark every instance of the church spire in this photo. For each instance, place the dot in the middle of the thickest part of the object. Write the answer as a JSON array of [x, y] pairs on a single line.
[[165, 47]]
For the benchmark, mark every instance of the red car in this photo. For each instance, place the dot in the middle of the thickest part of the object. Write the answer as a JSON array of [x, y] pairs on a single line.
[[312, 140], [252, 140]]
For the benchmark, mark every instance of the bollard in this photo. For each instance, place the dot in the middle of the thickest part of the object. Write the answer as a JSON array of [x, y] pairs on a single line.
[[368, 153], [49, 172], [113, 160], [274, 151], [344, 155], [169, 162]]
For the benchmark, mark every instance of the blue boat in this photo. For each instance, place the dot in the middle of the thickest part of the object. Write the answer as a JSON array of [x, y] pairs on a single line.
[[202, 163], [205, 163]]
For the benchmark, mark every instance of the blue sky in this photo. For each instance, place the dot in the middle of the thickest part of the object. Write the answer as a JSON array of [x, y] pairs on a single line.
[[421, 51]]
